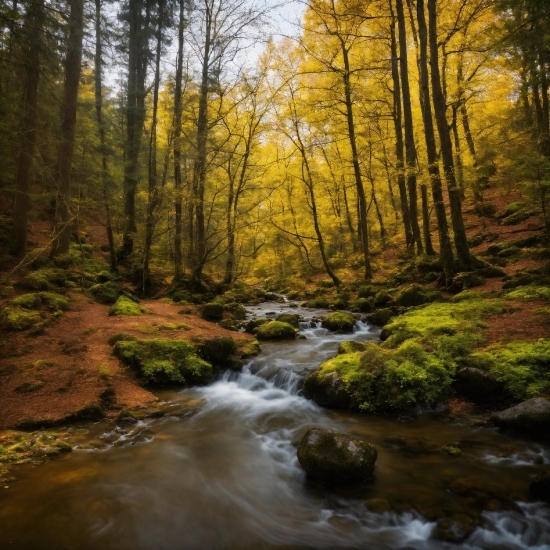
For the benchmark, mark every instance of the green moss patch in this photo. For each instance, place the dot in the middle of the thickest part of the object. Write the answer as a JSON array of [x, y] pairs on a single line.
[[318, 303], [20, 319], [165, 362], [248, 348], [351, 347], [120, 337], [276, 330], [340, 321], [126, 306], [290, 318], [212, 311], [45, 279], [530, 293], [219, 351], [106, 293]]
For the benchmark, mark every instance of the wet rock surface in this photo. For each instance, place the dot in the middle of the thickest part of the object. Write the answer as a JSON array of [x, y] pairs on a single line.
[[530, 417]]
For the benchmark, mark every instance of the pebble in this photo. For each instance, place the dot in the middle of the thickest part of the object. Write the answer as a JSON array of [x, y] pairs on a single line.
[[6, 486]]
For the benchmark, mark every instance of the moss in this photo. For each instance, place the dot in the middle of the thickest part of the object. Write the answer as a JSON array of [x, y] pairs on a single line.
[[513, 208], [218, 350], [28, 301], [276, 330], [106, 293], [248, 348], [126, 306], [318, 303], [470, 295], [229, 324], [54, 301], [41, 363], [29, 387], [339, 320], [105, 276], [90, 411], [510, 252], [523, 366], [362, 305], [212, 311], [382, 299], [466, 280], [237, 311], [350, 347], [165, 362], [367, 292], [516, 218], [382, 317], [452, 450], [45, 279], [415, 295], [290, 318], [19, 319], [120, 337], [530, 293]]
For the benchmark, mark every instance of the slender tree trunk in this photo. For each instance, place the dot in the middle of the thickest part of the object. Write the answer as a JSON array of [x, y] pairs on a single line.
[[426, 221], [73, 66], [545, 137], [349, 220], [399, 148], [34, 22], [460, 238], [458, 155], [178, 259], [410, 147], [356, 167], [98, 110], [445, 248], [153, 198]]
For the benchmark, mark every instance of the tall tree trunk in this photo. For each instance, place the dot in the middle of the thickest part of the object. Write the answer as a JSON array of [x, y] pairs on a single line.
[[460, 239], [362, 206], [178, 259], [426, 221], [410, 147], [349, 220], [458, 153], [545, 138], [445, 248], [33, 22], [98, 110], [199, 167], [73, 66], [153, 197], [398, 124]]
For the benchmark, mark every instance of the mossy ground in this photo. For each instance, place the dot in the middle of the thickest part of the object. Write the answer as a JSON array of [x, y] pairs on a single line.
[[126, 306]]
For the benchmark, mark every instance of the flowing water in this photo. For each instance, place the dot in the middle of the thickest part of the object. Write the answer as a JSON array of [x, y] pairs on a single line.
[[219, 471]]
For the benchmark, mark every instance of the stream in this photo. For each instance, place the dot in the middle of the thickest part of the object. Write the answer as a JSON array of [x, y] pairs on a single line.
[[219, 471]]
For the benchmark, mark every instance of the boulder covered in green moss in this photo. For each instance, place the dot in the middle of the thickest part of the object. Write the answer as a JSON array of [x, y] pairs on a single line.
[[290, 318], [211, 311], [45, 279], [467, 279], [530, 417], [415, 295], [164, 362], [51, 300], [350, 346], [15, 318], [238, 312], [248, 348], [106, 293], [276, 330], [253, 324], [229, 324], [540, 486], [318, 303], [126, 306], [382, 316], [362, 305], [220, 350], [120, 337], [340, 321], [335, 457]]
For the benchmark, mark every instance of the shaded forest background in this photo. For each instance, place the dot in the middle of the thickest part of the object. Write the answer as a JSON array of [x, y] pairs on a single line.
[[209, 151]]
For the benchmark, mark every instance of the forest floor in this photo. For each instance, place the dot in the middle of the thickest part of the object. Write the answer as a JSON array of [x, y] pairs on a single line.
[[52, 378]]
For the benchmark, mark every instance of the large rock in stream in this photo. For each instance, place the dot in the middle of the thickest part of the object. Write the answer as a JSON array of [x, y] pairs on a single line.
[[530, 417], [335, 457]]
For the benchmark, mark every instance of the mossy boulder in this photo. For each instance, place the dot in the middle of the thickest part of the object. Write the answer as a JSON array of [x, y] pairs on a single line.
[[367, 292], [45, 279], [238, 312], [220, 351], [19, 319], [212, 311], [327, 388], [415, 295], [530, 417], [318, 303], [248, 348], [339, 321], [362, 305], [290, 318], [382, 316], [276, 330], [105, 276], [253, 324], [335, 457], [106, 293], [54, 302], [517, 218], [165, 362], [126, 306], [28, 301], [229, 324], [540, 486], [350, 347], [513, 208], [466, 280], [121, 337], [382, 299]]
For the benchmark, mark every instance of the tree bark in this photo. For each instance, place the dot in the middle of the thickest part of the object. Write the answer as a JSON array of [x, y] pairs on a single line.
[[410, 147], [445, 248], [101, 127], [34, 21], [460, 238], [73, 66]]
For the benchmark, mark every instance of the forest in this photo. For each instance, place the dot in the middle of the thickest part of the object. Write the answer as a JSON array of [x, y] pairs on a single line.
[[222, 211]]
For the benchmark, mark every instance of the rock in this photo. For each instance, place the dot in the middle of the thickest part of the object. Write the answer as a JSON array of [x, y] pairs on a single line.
[[238, 312], [456, 528], [254, 324], [540, 486], [382, 299], [531, 416], [290, 318], [382, 317], [335, 457], [482, 494], [106, 293], [327, 390], [220, 351], [362, 305], [339, 321], [452, 450], [276, 330], [478, 385], [212, 310], [415, 295], [318, 303], [377, 505], [465, 280]]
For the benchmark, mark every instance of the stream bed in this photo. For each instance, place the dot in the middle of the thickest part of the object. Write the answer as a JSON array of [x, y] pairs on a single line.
[[219, 471]]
